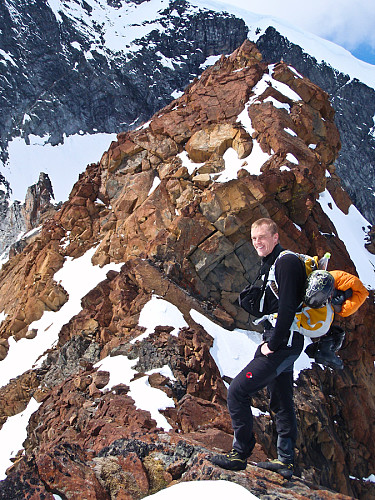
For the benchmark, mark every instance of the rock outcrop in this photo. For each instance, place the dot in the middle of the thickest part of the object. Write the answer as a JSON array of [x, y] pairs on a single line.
[[355, 163], [20, 223], [165, 204]]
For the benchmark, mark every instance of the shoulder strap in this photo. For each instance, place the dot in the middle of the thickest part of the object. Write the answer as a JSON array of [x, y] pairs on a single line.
[[272, 278]]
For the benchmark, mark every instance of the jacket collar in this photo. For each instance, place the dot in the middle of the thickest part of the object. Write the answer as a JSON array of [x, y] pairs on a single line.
[[267, 261]]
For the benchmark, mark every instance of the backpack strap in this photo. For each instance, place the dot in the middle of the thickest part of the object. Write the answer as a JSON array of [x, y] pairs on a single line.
[[271, 276], [270, 281]]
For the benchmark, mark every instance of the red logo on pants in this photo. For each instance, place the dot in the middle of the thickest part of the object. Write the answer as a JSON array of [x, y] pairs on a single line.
[[249, 375]]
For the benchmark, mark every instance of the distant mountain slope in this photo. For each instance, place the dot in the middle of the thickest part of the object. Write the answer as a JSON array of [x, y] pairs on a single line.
[[71, 69]]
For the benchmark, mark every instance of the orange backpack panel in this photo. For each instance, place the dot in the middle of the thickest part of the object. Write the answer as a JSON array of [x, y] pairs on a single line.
[[344, 281]]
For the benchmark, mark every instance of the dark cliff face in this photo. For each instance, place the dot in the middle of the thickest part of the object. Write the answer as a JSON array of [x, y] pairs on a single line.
[[354, 104], [54, 82]]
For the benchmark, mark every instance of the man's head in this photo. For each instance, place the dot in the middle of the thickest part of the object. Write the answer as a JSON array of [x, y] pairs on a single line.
[[264, 236]]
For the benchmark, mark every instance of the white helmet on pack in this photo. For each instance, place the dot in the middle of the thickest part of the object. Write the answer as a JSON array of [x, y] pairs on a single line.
[[319, 288]]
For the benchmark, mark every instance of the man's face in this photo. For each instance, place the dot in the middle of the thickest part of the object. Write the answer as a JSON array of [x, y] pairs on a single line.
[[263, 240]]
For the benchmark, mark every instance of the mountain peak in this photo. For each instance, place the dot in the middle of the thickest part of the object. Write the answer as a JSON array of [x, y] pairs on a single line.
[[162, 224]]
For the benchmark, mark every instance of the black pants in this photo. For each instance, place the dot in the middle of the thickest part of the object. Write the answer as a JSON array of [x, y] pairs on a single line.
[[276, 372]]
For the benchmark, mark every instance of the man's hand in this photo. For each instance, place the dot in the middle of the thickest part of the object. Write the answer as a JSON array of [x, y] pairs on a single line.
[[265, 350]]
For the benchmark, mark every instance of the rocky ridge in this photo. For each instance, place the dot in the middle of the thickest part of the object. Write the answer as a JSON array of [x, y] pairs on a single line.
[[355, 163], [157, 203], [20, 222]]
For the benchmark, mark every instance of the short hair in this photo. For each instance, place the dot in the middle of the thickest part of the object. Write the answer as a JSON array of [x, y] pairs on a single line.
[[271, 225]]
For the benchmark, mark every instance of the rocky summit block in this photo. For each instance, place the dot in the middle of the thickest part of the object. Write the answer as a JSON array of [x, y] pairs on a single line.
[[169, 207]]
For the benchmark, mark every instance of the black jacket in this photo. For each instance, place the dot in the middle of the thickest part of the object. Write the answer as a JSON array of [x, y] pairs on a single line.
[[290, 277]]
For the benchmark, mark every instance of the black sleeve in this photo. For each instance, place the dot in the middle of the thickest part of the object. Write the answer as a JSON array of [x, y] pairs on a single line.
[[290, 278]]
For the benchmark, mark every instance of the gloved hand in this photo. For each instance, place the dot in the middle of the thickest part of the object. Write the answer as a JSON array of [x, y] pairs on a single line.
[[339, 297]]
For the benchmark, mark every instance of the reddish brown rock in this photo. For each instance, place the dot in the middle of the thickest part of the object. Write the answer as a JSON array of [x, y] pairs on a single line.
[[195, 414]]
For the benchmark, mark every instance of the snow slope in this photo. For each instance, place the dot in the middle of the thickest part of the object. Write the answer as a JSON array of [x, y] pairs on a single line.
[[63, 163], [120, 28]]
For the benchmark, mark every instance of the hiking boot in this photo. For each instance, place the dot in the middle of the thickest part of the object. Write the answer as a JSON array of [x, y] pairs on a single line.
[[328, 358], [284, 469], [230, 461], [323, 351]]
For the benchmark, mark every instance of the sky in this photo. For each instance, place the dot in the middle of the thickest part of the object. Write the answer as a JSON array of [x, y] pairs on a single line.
[[349, 23]]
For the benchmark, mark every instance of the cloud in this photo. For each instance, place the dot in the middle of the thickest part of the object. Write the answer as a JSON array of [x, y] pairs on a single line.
[[347, 23]]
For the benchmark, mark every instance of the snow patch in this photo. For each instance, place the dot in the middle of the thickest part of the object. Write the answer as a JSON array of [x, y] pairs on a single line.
[[157, 312], [292, 158], [186, 162], [210, 61], [155, 184], [351, 229], [203, 489], [290, 131], [165, 61], [372, 129], [268, 81], [2, 317], [13, 434], [176, 94], [76, 45], [77, 277], [370, 479], [7, 57], [121, 371]]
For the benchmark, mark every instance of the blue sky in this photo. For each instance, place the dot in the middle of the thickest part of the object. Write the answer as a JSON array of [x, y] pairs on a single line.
[[365, 52], [349, 23]]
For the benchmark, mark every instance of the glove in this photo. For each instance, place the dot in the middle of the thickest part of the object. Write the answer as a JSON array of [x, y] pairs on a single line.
[[339, 297]]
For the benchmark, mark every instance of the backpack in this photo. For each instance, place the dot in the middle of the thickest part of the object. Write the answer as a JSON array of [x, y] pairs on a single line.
[[313, 323], [310, 322], [311, 263]]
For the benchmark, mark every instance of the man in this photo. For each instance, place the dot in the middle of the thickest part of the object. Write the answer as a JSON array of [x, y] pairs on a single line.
[[272, 365]]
